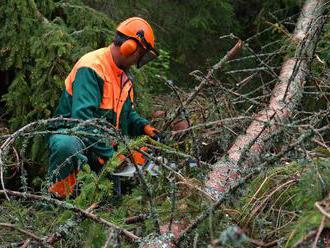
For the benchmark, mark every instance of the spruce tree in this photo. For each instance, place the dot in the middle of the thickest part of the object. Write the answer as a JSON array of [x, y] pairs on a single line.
[[40, 43]]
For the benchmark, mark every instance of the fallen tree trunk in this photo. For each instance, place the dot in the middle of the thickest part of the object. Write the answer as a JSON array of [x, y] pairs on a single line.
[[287, 93]]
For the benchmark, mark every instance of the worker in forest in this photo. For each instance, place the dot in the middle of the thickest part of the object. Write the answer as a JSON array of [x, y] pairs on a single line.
[[100, 86]]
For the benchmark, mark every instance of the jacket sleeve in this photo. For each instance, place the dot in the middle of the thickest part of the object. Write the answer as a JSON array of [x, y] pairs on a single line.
[[87, 90], [136, 123], [86, 94]]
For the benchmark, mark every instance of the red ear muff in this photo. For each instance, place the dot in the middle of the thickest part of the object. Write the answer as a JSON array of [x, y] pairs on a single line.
[[128, 47]]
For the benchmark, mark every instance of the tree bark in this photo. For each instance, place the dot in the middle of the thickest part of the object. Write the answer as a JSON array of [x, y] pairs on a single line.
[[286, 95]]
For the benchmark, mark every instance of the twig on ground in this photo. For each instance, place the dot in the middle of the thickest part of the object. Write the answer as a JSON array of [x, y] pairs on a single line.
[[322, 210], [59, 234], [319, 231], [75, 209], [26, 232]]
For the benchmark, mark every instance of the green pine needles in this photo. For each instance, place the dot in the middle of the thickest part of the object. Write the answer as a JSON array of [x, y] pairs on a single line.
[[43, 41], [40, 43]]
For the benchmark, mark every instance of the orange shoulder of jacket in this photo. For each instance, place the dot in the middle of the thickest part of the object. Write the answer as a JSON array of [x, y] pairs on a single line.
[[94, 60]]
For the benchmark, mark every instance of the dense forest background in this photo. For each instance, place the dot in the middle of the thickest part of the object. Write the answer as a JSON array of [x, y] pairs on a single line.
[[50, 36], [274, 206]]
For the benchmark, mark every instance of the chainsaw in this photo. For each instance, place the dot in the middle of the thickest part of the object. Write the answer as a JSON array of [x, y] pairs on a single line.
[[138, 161], [130, 165]]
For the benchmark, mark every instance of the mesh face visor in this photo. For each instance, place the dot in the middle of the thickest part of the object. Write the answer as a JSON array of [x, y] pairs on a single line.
[[150, 54], [147, 57]]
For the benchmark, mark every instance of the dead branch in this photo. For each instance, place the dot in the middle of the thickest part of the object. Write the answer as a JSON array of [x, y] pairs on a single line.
[[59, 234], [182, 180], [75, 209], [212, 208], [26, 232], [262, 204], [136, 219], [286, 94], [322, 210], [230, 55], [319, 231]]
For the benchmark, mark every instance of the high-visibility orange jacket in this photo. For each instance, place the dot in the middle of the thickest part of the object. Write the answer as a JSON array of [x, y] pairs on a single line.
[[97, 88]]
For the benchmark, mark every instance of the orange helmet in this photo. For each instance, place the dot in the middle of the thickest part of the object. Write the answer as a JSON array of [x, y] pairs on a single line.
[[132, 26], [139, 30]]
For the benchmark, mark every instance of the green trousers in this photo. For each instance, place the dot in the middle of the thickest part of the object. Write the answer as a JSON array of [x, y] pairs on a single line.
[[67, 154]]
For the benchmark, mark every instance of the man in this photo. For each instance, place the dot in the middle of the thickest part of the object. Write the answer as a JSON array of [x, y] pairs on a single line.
[[99, 86]]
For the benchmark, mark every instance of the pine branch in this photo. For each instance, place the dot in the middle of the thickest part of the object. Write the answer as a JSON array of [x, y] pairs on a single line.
[[27, 233], [75, 209]]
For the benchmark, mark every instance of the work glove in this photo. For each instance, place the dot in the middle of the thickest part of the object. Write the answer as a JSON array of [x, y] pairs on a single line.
[[152, 132]]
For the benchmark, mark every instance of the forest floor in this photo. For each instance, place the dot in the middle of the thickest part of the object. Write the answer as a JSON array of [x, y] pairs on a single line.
[[284, 206]]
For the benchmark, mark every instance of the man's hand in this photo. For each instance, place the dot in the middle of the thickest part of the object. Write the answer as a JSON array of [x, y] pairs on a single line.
[[152, 132]]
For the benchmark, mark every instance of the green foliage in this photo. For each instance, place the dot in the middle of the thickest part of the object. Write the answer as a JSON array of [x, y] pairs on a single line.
[[269, 211], [156, 69], [40, 44], [313, 186], [310, 219], [38, 218], [41, 41], [150, 81], [41, 51], [95, 234], [324, 49], [291, 207], [190, 32], [94, 188]]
